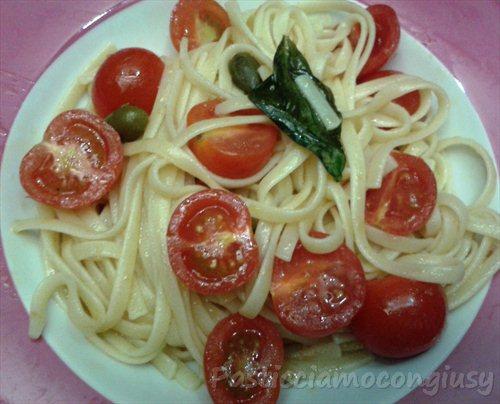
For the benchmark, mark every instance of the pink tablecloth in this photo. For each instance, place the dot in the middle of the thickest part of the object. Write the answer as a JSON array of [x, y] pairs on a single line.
[[463, 34]]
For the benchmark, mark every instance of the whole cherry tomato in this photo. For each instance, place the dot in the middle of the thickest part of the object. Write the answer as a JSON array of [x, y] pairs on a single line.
[[130, 76], [400, 317]]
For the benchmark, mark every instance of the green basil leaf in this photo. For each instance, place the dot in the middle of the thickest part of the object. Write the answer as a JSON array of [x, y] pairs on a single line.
[[282, 101]]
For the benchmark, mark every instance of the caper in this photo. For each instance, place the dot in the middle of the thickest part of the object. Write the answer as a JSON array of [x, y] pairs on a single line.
[[129, 121], [243, 68]]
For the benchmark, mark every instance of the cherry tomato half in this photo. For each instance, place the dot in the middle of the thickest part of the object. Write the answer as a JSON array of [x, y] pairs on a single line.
[[400, 317], [316, 294], [242, 361], [406, 199], [76, 164], [210, 242], [201, 21], [235, 151], [129, 76], [386, 37], [410, 101]]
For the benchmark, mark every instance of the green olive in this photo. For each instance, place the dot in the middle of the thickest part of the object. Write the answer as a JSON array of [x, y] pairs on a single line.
[[129, 121], [243, 68]]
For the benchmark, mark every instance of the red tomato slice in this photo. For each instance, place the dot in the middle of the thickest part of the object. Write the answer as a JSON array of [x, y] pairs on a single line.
[[400, 317], [129, 76], [201, 21], [406, 199], [242, 361], [386, 37], [211, 246], [235, 151], [76, 165], [410, 101], [316, 294]]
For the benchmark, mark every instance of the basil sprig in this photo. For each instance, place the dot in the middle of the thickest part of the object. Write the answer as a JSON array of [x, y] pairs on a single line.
[[280, 98]]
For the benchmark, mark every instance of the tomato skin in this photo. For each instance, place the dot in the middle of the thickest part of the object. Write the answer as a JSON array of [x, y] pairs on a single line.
[[186, 20], [76, 165], [316, 294], [210, 242], [237, 340], [354, 35], [410, 101], [406, 199], [400, 317], [129, 76], [387, 37], [236, 151]]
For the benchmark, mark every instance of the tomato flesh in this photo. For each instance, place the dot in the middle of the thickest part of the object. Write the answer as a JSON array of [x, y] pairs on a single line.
[[242, 360], [400, 317], [201, 21], [406, 199], [130, 76], [316, 294], [236, 151], [210, 242], [410, 101], [387, 37], [76, 165]]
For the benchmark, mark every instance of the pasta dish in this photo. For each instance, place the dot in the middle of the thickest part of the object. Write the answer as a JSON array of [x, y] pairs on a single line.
[[265, 199]]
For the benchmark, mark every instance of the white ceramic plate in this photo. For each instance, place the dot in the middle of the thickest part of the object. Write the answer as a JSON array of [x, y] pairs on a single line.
[[145, 24]]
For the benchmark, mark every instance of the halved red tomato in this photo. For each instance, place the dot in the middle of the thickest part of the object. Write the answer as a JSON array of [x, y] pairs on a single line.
[[76, 164], [201, 21], [401, 317], [316, 294], [235, 151], [242, 361], [386, 37], [210, 242], [410, 101], [406, 199], [129, 76]]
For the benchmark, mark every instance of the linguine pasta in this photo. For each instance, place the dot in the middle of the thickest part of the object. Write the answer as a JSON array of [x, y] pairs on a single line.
[[110, 267]]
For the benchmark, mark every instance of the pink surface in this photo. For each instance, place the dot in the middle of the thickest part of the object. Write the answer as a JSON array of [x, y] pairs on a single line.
[[463, 34]]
